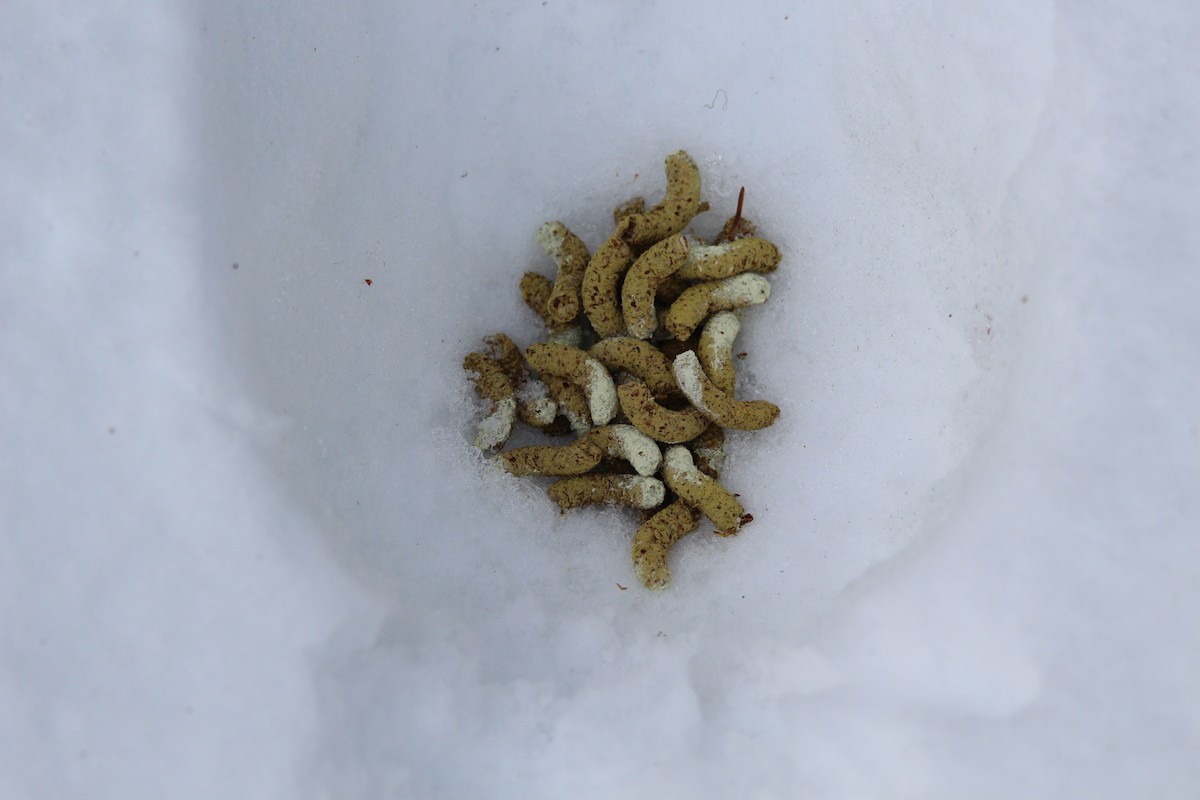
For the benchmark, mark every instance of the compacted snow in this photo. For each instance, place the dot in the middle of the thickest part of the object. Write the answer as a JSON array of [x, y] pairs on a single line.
[[247, 548]]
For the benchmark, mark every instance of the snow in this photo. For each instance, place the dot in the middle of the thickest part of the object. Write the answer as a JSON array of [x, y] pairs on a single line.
[[247, 548]]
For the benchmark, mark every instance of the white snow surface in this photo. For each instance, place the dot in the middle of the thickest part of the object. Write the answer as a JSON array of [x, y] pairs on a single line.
[[248, 551]]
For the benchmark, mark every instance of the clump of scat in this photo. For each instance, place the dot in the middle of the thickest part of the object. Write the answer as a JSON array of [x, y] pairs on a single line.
[[637, 359]]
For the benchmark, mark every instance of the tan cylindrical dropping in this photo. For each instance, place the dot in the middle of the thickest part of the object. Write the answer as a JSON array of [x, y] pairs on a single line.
[[583, 370], [535, 291], [636, 491], [714, 262], [576, 458], [629, 444], [716, 405], [656, 421], [571, 255], [703, 299], [638, 358], [654, 539], [601, 279], [716, 349], [678, 206], [700, 491], [641, 284], [492, 384]]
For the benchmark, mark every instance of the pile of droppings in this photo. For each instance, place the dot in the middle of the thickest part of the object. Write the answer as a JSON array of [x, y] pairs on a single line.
[[637, 365]]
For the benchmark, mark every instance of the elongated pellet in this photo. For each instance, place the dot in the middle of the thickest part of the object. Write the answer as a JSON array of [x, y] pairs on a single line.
[[700, 491], [703, 299], [492, 384], [642, 359], [657, 421], [535, 291], [641, 284], [653, 541], [576, 458], [534, 405], [572, 402], [601, 279], [636, 491], [581, 369], [678, 206], [715, 349], [629, 444], [716, 405], [571, 255], [713, 262]]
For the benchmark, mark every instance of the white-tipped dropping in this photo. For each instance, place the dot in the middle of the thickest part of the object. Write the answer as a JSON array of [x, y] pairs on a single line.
[[688, 374], [496, 427], [718, 335], [698, 253], [678, 461], [643, 492], [601, 393], [746, 289], [551, 236], [637, 448], [534, 396]]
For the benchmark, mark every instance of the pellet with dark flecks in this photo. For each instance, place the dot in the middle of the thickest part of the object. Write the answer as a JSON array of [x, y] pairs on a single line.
[[679, 205], [636, 491], [638, 358], [657, 421], [653, 541]]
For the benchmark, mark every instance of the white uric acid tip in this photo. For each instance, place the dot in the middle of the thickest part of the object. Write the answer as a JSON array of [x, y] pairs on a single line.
[[551, 236], [534, 396], [572, 336], [578, 423], [721, 330], [496, 427], [699, 252], [643, 492], [638, 449], [746, 289], [715, 456], [678, 460], [601, 393], [688, 374]]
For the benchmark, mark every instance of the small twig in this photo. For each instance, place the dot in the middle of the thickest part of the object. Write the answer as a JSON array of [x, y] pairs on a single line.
[[713, 104]]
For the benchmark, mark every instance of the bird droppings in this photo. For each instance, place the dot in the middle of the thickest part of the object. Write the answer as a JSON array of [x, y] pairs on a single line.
[[623, 368]]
